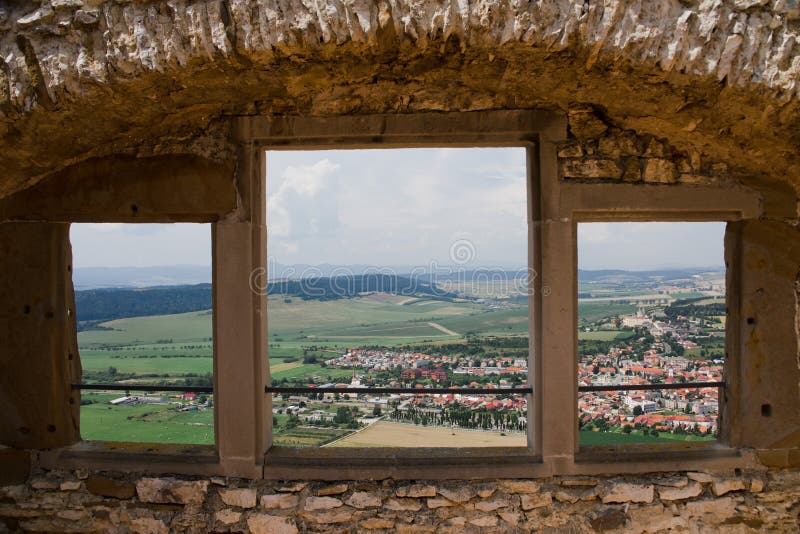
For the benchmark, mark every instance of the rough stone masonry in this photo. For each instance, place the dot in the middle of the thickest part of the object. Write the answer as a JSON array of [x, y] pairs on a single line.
[[83, 79], [83, 501]]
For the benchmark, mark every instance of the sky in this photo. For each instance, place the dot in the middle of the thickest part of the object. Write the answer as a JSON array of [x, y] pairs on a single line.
[[443, 206]]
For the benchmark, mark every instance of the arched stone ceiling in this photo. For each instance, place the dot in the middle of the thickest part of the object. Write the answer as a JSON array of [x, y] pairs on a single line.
[[90, 78]]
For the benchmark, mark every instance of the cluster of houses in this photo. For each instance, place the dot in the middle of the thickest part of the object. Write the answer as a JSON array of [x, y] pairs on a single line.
[[691, 409], [420, 365]]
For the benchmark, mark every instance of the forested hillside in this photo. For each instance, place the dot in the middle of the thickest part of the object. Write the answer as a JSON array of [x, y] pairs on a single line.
[[106, 304]]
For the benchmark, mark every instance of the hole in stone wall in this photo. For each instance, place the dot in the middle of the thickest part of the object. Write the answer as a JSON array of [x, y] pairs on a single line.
[[143, 310], [766, 410], [51, 428], [26, 310], [751, 320]]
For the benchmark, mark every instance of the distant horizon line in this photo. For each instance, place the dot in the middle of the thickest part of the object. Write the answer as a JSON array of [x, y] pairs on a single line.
[[447, 266]]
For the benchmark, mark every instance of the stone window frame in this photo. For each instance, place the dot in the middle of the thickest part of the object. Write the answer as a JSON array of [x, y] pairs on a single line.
[[242, 426]]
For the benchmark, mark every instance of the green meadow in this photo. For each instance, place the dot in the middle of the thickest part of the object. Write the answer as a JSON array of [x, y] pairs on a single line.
[[590, 438], [144, 423]]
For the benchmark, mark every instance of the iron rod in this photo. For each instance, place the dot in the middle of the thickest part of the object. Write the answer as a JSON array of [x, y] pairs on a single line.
[[418, 391]]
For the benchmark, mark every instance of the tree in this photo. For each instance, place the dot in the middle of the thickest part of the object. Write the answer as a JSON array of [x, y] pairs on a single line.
[[343, 415], [627, 429], [376, 411], [637, 410]]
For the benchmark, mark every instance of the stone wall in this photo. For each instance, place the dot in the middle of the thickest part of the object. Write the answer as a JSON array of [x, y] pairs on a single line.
[[599, 150], [83, 79], [83, 501]]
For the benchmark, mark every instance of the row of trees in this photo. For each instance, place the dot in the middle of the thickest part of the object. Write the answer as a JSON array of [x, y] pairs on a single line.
[[463, 417]]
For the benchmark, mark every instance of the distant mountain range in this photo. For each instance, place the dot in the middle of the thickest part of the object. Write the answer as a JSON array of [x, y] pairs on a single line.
[[134, 293], [176, 275]]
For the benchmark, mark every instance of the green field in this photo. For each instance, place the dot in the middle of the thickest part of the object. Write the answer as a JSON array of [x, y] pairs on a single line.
[[606, 335], [143, 423], [183, 327], [589, 438], [589, 311]]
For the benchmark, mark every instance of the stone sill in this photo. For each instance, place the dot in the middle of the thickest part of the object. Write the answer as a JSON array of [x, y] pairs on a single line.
[[468, 463], [402, 463], [133, 457]]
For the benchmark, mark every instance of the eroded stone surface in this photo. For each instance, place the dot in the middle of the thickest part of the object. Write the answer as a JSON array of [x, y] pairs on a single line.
[[270, 524], [674, 506], [281, 501], [715, 77], [241, 498], [171, 490], [322, 503], [626, 492]]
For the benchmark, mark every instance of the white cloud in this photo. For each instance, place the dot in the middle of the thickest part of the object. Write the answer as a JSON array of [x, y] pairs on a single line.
[[300, 205]]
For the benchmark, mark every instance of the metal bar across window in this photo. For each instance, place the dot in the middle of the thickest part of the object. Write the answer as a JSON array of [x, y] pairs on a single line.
[[126, 387], [416, 391], [642, 387]]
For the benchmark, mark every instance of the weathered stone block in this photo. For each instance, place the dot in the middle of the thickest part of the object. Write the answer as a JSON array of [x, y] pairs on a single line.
[[148, 525], [609, 519], [321, 503], [585, 124], [719, 509], [415, 529], [574, 150], [336, 489], [590, 168], [331, 517], [520, 486], [363, 499], [491, 506], [240, 497], [108, 487], [662, 171], [486, 490], [439, 503], [703, 478], [484, 521], [280, 501], [293, 488], [416, 490], [535, 500], [577, 494], [627, 492], [44, 484], [70, 485], [512, 518], [721, 486], [170, 490], [460, 494], [690, 491], [227, 516], [402, 505], [376, 523], [271, 524]]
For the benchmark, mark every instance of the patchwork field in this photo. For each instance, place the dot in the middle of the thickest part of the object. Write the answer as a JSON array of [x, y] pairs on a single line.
[[387, 434]]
